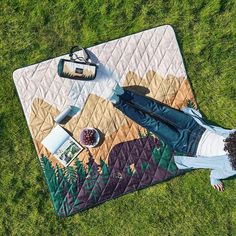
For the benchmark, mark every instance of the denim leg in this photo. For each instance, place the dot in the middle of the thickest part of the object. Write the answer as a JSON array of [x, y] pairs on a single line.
[[169, 134], [170, 115]]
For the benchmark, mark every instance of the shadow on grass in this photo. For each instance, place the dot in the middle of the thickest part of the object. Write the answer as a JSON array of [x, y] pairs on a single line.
[[1, 125]]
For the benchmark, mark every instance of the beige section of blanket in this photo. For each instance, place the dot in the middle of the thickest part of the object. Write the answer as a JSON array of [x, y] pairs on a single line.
[[114, 126]]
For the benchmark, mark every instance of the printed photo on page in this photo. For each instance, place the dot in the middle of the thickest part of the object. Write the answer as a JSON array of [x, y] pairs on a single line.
[[68, 151]]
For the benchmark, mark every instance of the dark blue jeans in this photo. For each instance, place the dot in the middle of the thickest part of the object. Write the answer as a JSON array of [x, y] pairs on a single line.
[[174, 127]]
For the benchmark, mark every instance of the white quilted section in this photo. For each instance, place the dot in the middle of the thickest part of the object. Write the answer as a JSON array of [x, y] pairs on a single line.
[[155, 49]]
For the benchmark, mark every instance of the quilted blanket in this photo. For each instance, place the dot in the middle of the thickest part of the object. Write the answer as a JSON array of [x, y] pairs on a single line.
[[129, 157]]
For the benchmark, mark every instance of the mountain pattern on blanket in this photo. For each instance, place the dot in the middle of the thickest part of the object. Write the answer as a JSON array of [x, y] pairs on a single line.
[[138, 164]]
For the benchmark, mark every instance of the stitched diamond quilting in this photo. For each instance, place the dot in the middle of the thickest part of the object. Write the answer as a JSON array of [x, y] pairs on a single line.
[[129, 157]]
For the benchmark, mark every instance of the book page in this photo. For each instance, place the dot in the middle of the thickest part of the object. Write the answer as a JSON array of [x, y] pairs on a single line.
[[55, 139], [68, 151]]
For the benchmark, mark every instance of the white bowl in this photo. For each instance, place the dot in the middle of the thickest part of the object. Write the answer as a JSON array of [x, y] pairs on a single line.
[[97, 137]]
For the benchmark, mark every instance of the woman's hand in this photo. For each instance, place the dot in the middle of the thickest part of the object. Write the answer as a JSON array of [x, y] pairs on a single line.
[[219, 187]]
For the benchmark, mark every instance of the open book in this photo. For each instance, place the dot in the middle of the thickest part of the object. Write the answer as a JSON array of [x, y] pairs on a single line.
[[62, 145]]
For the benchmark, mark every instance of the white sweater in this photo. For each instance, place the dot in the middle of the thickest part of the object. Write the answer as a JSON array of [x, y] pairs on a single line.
[[211, 144]]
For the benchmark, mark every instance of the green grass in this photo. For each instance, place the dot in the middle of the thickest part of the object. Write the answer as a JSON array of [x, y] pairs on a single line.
[[32, 31]]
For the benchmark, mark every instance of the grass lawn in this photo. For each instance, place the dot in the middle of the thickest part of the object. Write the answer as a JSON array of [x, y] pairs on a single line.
[[32, 31]]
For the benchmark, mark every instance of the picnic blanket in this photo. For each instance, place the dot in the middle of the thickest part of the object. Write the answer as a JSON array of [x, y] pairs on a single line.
[[129, 157]]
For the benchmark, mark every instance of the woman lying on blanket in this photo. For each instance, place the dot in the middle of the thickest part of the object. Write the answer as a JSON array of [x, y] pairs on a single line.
[[185, 131]]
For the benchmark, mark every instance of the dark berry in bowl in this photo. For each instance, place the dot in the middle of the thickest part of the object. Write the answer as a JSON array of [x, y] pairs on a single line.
[[89, 137]]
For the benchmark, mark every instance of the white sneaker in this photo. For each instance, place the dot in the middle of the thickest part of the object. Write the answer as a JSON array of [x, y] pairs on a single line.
[[114, 98], [118, 89]]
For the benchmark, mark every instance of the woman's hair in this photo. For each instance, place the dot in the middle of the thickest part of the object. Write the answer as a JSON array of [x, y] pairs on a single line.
[[230, 147]]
